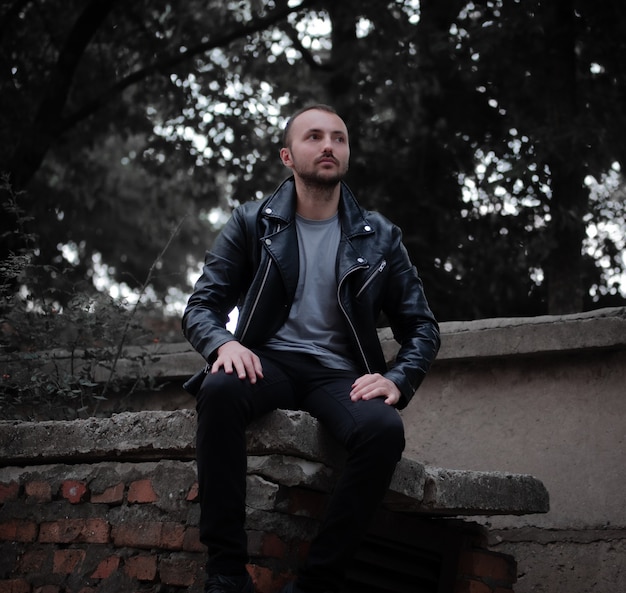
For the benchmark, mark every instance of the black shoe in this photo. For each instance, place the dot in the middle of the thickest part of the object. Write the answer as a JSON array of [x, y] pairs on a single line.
[[218, 583]]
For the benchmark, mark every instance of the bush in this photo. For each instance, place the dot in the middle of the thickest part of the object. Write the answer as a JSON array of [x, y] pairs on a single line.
[[54, 335]]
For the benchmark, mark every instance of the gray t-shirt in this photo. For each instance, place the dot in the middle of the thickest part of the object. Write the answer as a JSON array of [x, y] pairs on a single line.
[[315, 324]]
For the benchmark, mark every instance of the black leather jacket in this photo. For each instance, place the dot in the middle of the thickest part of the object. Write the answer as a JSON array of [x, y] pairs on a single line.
[[253, 264]]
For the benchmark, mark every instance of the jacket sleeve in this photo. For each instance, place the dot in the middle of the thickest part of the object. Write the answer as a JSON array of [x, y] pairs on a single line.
[[412, 322], [217, 291]]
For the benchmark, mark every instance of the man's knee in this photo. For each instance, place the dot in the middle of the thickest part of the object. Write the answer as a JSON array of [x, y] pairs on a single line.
[[393, 432], [221, 393], [384, 431]]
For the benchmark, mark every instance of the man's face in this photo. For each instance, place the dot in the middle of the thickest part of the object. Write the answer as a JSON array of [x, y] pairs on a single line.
[[318, 151]]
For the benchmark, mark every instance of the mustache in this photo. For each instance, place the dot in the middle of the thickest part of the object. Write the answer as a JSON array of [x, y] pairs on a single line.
[[326, 156]]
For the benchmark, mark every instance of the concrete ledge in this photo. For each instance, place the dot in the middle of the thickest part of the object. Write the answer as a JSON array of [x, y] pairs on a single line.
[[524, 336], [289, 447], [128, 436], [500, 337], [487, 493]]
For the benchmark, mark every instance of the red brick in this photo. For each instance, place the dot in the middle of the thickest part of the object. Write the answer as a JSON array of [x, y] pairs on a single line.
[[9, 492], [145, 535], [37, 561], [306, 503], [469, 586], [95, 531], [65, 531], [74, 491], [255, 541], [18, 530], [273, 546], [181, 571], [192, 495], [172, 536], [268, 545], [191, 541], [483, 564], [141, 491], [38, 491], [300, 549], [112, 495], [169, 536], [266, 580], [67, 561], [15, 586], [106, 568], [142, 568]]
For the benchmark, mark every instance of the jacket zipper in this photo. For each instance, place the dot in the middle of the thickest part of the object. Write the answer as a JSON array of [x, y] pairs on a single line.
[[258, 296], [380, 268], [345, 313]]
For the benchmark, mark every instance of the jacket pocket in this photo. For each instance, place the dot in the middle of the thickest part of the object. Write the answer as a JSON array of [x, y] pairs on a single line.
[[378, 270]]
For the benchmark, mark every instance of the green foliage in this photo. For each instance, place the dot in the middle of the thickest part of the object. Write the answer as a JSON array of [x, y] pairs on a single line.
[[53, 374], [50, 352]]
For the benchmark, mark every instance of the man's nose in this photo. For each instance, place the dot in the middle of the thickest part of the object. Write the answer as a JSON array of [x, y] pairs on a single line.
[[327, 144]]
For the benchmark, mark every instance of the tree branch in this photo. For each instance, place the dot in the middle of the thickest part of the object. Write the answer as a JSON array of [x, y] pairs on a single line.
[[36, 141], [307, 56], [170, 61], [142, 290], [48, 124]]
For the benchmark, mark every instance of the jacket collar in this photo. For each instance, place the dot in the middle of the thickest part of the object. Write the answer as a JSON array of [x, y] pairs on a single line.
[[282, 205]]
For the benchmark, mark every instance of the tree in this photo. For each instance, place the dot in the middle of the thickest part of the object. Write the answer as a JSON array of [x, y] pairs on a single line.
[[88, 85], [123, 118], [552, 70]]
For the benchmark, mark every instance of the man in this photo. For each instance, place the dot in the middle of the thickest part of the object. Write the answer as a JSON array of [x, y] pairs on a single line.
[[311, 271]]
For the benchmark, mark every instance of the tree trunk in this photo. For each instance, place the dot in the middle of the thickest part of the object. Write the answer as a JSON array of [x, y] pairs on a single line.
[[341, 86], [565, 156], [46, 125]]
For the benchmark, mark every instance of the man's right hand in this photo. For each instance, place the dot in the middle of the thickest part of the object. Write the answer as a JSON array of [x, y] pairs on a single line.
[[233, 357]]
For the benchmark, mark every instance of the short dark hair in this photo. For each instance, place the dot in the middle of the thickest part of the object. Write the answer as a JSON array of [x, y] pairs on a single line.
[[315, 106]]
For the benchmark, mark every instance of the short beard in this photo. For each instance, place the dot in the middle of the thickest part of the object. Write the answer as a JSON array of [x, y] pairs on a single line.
[[314, 181]]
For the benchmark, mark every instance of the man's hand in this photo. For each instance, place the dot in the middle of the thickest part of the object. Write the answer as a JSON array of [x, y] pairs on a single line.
[[233, 357], [371, 386]]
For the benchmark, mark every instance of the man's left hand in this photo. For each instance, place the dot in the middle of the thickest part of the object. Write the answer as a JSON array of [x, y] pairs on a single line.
[[371, 386]]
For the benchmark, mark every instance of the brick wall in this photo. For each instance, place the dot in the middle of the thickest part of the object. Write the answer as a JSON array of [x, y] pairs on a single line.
[[101, 527], [131, 527], [482, 571], [556, 365]]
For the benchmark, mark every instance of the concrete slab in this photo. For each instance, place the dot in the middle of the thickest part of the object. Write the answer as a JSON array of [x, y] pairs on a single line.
[[288, 447]]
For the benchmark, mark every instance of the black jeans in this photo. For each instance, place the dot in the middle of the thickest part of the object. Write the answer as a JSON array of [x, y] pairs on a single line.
[[371, 431]]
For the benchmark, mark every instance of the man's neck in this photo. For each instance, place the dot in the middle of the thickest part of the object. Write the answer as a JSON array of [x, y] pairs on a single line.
[[317, 203]]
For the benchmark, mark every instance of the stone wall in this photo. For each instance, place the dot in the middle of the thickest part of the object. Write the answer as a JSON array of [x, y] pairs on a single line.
[[544, 396], [541, 397], [110, 504], [107, 526]]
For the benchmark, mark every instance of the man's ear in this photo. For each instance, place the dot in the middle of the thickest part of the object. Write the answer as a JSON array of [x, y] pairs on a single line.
[[285, 157]]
